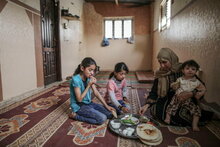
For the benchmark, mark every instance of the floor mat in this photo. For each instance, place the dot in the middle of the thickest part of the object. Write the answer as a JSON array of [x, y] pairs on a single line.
[[103, 76], [42, 120]]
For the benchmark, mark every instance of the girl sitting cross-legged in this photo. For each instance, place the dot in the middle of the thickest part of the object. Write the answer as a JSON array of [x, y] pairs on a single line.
[[116, 95], [81, 87]]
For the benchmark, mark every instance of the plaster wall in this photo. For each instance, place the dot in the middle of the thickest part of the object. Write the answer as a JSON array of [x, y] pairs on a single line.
[[137, 56], [18, 66], [32, 3], [194, 33], [72, 38]]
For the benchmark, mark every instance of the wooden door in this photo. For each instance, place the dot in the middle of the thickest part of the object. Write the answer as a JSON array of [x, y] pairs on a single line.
[[50, 41]]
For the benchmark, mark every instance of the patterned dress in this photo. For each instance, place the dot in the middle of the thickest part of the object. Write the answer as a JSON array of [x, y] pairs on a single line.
[[159, 105], [186, 85]]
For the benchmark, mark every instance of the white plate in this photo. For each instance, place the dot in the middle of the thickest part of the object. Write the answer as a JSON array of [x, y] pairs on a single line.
[[130, 117]]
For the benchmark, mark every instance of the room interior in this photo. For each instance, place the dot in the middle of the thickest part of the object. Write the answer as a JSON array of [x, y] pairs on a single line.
[[193, 33]]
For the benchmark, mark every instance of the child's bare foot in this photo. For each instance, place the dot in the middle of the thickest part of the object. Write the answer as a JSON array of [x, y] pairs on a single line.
[[167, 119], [195, 123], [72, 115], [195, 128]]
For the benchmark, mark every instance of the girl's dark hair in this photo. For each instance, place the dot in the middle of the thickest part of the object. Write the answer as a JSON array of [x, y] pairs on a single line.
[[118, 68], [190, 63], [86, 62]]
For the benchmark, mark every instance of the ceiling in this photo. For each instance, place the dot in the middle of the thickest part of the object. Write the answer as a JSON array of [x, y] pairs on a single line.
[[144, 2]]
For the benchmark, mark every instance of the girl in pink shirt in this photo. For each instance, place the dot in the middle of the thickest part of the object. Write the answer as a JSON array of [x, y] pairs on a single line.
[[116, 95]]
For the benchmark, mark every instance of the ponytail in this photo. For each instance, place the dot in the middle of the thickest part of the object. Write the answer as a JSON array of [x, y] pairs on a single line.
[[118, 68], [77, 71], [111, 75], [86, 62]]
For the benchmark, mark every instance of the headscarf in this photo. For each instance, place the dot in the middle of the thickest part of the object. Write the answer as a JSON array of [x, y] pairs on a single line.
[[163, 81]]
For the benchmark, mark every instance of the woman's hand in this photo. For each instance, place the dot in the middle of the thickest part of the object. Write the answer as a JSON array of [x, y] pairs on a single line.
[[184, 96], [143, 109], [125, 110], [201, 90], [199, 94]]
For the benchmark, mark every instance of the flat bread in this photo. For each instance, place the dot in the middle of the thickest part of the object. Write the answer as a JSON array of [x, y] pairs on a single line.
[[155, 140], [152, 143], [148, 132]]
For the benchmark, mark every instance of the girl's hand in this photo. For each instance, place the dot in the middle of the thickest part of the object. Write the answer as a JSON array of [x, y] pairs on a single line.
[[109, 108], [126, 100], [92, 80], [125, 110]]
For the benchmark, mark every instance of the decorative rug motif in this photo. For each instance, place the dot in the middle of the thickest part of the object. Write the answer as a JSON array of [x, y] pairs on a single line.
[[186, 142], [62, 91], [85, 133], [8, 108], [43, 130], [49, 124], [12, 125], [41, 104], [178, 130]]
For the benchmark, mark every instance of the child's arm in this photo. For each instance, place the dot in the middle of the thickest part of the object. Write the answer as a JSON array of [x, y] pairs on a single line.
[[79, 95], [98, 95], [110, 88], [113, 99], [125, 92], [175, 85]]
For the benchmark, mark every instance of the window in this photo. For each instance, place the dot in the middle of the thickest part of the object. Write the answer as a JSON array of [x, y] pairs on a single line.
[[165, 13], [118, 28]]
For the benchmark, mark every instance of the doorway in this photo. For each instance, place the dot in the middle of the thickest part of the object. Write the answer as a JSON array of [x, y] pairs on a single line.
[[50, 41]]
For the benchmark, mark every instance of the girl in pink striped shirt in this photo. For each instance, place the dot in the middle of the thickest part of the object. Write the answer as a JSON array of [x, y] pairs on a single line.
[[116, 95]]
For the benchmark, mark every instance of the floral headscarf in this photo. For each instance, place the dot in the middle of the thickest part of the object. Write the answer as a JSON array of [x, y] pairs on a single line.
[[163, 81]]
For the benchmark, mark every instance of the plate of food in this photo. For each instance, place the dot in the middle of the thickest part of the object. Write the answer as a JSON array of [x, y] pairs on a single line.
[[126, 126], [149, 134], [123, 130], [129, 119]]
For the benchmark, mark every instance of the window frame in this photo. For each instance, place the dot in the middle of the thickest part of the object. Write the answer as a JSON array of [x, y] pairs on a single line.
[[165, 6], [113, 19]]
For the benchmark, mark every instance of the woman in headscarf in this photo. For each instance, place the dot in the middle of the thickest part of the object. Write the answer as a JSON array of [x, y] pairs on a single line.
[[161, 93]]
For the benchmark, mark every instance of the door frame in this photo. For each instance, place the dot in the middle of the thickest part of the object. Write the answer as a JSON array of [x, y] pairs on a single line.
[[57, 37]]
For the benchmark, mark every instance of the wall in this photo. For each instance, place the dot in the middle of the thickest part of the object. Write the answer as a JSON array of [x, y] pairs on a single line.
[[194, 33], [21, 63], [137, 56], [71, 39], [18, 48]]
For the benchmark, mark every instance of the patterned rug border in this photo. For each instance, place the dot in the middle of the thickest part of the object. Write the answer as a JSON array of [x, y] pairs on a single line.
[[123, 142], [43, 129], [214, 127], [16, 104]]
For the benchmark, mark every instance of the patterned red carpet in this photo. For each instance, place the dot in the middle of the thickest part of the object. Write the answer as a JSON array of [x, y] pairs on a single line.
[[42, 120]]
